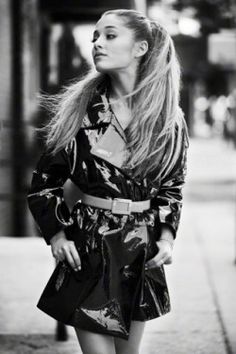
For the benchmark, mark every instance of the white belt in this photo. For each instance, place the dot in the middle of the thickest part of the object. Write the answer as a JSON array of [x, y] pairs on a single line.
[[116, 205]]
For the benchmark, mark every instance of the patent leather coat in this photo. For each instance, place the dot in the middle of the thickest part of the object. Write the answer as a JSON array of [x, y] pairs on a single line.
[[113, 286]]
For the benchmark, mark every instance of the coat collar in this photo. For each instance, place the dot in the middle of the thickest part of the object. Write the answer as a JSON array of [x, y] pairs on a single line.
[[98, 109]]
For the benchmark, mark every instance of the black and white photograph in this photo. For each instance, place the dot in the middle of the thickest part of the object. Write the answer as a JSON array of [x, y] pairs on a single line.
[[118, 177]]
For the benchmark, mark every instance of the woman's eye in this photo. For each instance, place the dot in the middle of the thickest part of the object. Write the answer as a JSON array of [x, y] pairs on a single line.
[[110, 36]]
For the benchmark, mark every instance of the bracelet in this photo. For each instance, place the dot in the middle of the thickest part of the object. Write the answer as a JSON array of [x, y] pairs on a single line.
[[170, 243]]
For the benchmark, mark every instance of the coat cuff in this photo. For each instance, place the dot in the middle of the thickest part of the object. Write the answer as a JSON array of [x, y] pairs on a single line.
[[51, 216]]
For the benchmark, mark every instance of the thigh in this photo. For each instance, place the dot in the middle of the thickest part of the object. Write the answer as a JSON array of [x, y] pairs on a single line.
[[95, 343], [131, 346]]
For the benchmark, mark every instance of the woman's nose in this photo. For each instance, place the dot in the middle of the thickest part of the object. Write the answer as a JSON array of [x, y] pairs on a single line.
[[99, 43]]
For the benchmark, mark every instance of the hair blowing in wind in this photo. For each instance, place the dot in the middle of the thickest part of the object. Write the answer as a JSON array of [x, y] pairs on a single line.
[[157, 126]]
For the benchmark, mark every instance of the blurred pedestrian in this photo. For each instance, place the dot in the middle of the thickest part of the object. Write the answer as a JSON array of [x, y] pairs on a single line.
[[229, 124], [121, 138]]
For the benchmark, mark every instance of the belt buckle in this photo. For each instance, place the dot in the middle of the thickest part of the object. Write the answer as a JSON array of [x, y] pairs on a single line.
[[121, 206]]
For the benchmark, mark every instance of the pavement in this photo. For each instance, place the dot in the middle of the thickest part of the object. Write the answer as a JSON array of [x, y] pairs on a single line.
[[201, 279]]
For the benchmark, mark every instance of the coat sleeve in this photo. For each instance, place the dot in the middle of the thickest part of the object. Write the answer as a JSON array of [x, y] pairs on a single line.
[[168, 201], [45, 198]]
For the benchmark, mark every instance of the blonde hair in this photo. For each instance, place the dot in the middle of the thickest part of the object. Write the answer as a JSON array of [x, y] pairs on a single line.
[[155, 133]]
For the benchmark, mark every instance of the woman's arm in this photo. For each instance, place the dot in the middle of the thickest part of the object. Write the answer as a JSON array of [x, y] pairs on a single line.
[[168, 203], [48, 207], [45, 197]]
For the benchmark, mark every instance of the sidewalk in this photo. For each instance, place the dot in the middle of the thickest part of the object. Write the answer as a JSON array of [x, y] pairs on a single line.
[[201, 280]]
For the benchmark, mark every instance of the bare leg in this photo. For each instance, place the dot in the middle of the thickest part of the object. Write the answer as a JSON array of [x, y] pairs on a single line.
[[95, 343], [132, 345]]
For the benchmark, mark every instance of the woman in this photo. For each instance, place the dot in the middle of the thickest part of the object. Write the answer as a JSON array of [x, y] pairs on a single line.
[[120, 137]]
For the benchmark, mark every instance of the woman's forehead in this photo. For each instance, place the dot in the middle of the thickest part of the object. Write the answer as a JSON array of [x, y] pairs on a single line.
[[110, 21]]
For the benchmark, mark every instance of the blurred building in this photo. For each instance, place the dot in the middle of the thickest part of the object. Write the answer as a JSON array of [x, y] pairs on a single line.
[[205, 40], [222, 52], [40, 51]]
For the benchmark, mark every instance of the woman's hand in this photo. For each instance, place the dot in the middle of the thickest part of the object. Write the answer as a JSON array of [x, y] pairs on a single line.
[[64, 249], [165, 245]]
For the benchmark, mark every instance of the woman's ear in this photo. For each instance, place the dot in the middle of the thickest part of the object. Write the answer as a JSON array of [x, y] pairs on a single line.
[[141, 48]]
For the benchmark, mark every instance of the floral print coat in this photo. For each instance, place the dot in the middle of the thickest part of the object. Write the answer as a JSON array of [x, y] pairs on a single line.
[[113, 286]]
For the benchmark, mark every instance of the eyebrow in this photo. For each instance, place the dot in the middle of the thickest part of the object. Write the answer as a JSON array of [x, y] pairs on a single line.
[[110, 26]]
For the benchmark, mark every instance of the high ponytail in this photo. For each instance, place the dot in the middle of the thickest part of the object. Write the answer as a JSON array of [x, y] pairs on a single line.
[[156, 130]]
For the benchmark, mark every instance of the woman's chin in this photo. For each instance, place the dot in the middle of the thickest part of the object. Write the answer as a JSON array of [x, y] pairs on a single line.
[[102, 68]]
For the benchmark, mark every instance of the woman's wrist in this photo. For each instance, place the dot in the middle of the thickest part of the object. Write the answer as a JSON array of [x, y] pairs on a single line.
[[167, 235], [170, 243], [57, 236]]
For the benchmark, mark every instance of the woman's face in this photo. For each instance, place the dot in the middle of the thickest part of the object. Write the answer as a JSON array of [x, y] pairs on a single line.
[[114, 45]]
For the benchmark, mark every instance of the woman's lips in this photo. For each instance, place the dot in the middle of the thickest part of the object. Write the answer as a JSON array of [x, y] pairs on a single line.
[[99, 56]]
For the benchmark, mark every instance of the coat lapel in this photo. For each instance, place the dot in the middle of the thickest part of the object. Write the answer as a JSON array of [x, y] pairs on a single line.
[[111, 145]]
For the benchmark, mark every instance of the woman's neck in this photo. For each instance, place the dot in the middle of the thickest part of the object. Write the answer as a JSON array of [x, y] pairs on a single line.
[[122, 84]]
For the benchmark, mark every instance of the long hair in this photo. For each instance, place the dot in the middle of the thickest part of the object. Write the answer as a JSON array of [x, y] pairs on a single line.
[[155, 132]]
